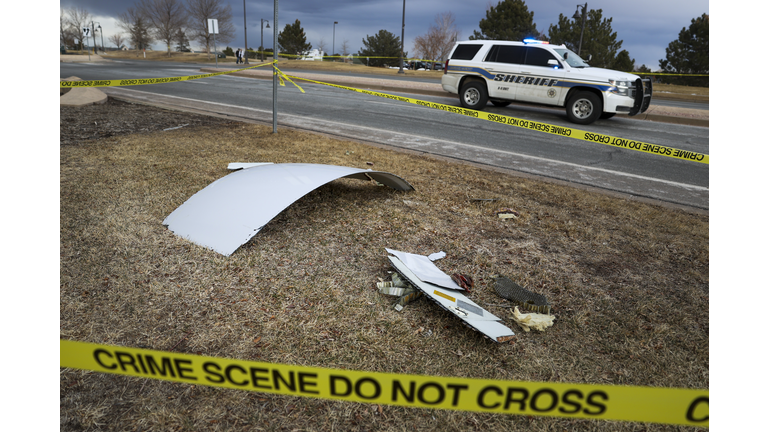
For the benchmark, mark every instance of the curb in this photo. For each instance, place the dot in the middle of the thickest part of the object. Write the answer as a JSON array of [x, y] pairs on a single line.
[[81, 96]]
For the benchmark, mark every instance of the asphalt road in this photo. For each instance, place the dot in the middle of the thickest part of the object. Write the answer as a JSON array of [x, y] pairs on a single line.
[[353, 115]]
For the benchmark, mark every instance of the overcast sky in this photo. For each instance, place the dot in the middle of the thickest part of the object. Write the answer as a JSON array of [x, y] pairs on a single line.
[[646, 27]]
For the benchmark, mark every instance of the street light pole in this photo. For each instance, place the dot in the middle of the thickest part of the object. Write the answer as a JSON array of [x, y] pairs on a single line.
[[245, 33], [333, 48], [402, 41], [102, 38], [583, 17], [262, 38]]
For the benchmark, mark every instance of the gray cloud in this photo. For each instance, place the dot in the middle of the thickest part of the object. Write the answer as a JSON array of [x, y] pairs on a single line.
[[646, 28]]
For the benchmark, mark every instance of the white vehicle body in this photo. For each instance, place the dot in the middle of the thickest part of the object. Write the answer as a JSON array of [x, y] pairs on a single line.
[[503, 71]]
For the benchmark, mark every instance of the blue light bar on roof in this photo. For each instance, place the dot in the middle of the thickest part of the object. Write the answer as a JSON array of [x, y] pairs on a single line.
[[534, 41]]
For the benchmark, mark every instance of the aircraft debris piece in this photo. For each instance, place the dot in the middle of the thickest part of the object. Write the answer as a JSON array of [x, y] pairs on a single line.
[[509, 290], [423, 267], [400, 288], [532, 320], [453, 301], [436, 256], [230, 211]]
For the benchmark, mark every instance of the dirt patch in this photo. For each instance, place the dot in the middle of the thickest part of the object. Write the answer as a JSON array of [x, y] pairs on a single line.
[[628, 281]]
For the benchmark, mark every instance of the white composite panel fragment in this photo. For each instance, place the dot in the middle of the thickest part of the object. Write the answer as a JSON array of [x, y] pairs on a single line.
[[458, 304], [231, 210], [423, 267]]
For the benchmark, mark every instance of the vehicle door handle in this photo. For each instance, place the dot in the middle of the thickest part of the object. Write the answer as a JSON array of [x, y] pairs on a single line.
[[524, 73]]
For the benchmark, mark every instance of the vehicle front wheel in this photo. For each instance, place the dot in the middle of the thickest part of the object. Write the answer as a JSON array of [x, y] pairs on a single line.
[[584, 108], [473, 95]]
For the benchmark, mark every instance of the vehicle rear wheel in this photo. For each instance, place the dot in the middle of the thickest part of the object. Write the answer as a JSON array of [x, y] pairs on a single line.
[[584, 108], [500, 104], [473, 95]]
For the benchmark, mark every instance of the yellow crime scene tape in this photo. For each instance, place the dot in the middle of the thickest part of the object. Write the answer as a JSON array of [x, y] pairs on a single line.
[[537, 126], [601, 402], [147, 81]]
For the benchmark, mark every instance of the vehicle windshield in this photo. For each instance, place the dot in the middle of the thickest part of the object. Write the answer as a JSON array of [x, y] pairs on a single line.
[[573, 59]]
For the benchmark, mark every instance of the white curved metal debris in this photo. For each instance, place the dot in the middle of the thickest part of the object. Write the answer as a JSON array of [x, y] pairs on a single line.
[[228, 212]]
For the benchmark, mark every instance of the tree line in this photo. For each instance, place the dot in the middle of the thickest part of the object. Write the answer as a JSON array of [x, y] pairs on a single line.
[[177, 22], [173, 23]]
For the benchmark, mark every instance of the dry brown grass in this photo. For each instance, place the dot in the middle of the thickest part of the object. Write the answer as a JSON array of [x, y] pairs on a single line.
[[628, 282]]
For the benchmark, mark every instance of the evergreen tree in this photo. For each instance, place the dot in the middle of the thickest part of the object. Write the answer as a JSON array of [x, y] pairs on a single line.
[[293, 40], [508, 20], [689, 54], [383, 44], [623, 62], [599, 39]]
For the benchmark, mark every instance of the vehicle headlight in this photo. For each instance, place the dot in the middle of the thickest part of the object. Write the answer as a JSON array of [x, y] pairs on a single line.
[[620, 87]]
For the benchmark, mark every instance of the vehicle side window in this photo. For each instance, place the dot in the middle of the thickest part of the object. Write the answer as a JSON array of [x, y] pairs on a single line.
[[506, 54], [465, 51], [538, 57]]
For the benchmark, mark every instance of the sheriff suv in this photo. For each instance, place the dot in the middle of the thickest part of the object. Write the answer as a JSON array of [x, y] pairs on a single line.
[[534, 71]]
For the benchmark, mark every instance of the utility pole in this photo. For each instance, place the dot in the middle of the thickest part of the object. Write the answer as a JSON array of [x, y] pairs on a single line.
[[402, 41]]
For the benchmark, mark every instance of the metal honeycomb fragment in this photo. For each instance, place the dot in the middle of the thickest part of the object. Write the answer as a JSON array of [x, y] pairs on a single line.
[[511, 291]]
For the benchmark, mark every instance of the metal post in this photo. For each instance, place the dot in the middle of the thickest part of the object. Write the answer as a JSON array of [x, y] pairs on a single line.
[[402, 41], [215, 54], [274, 76], [245, 32], [101, 30]]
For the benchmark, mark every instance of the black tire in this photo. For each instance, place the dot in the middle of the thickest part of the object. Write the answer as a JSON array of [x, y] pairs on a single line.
[[584, 108], [500, 104], [473, 95], [606, 115]]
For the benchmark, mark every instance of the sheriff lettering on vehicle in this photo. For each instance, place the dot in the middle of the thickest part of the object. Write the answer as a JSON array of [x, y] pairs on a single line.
[[538, 72]]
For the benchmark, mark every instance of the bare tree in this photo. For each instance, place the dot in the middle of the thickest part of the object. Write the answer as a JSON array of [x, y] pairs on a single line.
[[136, 24], [345, 48], [200, 11], [118, 39], [67, 34], [166, 17], [78, 18], [437, 43], [322, 45]]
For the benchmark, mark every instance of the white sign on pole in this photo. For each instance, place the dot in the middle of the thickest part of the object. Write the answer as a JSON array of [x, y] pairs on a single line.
[[86, 31], [213, 26]]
